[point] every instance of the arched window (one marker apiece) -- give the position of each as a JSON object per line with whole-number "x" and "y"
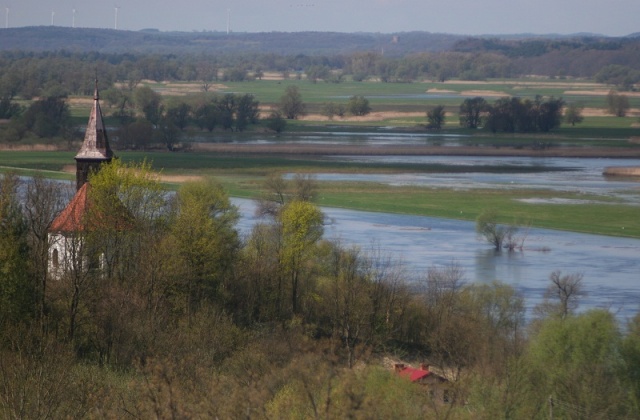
{"x": 54, "y": 259}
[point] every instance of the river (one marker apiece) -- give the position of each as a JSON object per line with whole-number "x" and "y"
{"x": 610, "y": 266}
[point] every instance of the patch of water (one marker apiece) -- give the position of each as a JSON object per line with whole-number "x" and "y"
{"x": 610, "y": 266}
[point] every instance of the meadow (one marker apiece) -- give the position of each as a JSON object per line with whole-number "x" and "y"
{"x": 395, "y": 105}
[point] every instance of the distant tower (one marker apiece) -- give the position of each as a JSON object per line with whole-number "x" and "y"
{"x": 6, "y": 18}
{"x": 53, "y": 15}
{"x": 73, "y": 20}
{"x": 95, "y": 149}
{"x": 228, "y": 21}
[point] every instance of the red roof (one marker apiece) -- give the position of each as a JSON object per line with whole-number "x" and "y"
{"x": 413, "y": 374}
{"x": 73, "y": 217}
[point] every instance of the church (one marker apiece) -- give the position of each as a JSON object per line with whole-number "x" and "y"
{"x": 66, "y": 233}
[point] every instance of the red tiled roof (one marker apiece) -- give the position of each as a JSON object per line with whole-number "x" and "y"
{"x": 76, "y": 217}
{"x": 73, "y": 217}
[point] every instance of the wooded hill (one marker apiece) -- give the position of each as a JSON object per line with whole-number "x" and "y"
{"x": 48, "y": 38}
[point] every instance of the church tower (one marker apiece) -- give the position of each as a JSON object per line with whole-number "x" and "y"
{"x": 95, "y": 149}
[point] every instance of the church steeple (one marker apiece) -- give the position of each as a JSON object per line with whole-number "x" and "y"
{"x": 95, "y": 149}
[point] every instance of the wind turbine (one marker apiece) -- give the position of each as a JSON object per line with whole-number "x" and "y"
{"x": 228, "y": 21}
{"x": 115, "y": 24}
{"x": 6, "y": 18}
{"x": 73, "y": 21}
{"x": 53, "y": 14}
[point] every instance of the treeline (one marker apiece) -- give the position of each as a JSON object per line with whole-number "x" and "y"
{"x": 28, "y": 74}
{"x": 170, "y": 311}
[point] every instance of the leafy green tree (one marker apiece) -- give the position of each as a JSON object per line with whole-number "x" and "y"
{"x": 571, "y": 361}
{"x": 471, "y": 111}
{"x": 436, "y": 117}
{"x": 291, "y": 103}
{"x": 205, "y": 243}
{"x": 573, "y": 114}
{"x": 302, "y": 228}
{"x": 358, "y": 105}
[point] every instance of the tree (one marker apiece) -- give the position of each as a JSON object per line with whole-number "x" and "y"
{"x": 573, "y": 114}
{"x": 149, "y": 103}
{"x": 471, "y": 111}
{"x": 276, "y": 122}
{"x": 204, "y": 241}
{"x": 17, "y": 292}
{"x": 302, "y": 228}
{"x": 358, "y": 105}
{"x": 291, "y": 103}
{"x": 44, "y": 199}
{"x": 488, "y": 227}
{"x": 179, "y": 113}
{"x": 247, "y": 110}
{"x": 48, "y": 117}
{"x": 617, "y": 104}
{"x": 435, "y": 117}
{"x": 331, "y": 109}
{"x": 562, "y": 296}
{"x": 571, "y": 361}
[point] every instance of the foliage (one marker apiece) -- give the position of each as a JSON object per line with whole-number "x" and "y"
{"x": 573, "y": 114}
{"x": 16, "y": 290}
{"x": 358, "y": 105}
{"x": 617, "y": 104}
{"x": 471, "y": 112}
{"x": 517, "y": 115}
{"x": 276, "y": 122}
{"x": 435, "y": 117}
{"x": 572, "y": 360}
{"x": 498, "y": 235}
{"x": 291, "y": 104}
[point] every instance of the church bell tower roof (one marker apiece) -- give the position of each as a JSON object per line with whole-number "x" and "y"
{"x": 96, "y": 143}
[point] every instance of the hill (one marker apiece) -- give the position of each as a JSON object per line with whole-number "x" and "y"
{"x": 53, "y": 38}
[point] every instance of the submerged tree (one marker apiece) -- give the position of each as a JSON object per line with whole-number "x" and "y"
{"x": 498, "y": 235}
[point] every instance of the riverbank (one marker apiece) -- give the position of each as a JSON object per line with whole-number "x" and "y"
{"x": 411, "y": 150}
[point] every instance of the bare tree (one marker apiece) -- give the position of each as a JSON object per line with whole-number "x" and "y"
{"x": 562, "y": 295}
{"x": 43, "y": 200}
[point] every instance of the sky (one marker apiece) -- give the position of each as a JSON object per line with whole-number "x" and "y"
{"x": 464, "y": 17}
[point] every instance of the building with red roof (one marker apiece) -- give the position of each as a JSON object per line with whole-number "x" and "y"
{"x": 76, "y": 219}
{"x": 436, "y": 384}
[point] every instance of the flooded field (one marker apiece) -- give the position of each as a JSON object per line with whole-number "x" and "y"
{"x": 610, "y": 266}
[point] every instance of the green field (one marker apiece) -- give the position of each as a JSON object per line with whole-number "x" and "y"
{"x": 242, "y": 176}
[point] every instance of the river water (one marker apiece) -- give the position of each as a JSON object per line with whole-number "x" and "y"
{"x": 610, "y": 266}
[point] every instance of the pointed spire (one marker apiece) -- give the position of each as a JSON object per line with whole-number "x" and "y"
{"x": 95, "y": 147}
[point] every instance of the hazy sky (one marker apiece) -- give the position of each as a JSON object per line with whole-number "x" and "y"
{"x": 473, "y": 17}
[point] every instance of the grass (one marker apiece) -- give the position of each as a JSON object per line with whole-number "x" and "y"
{"x": 243, "y": 175}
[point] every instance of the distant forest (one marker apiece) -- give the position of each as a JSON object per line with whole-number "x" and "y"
{"x": 54, "y": 61}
